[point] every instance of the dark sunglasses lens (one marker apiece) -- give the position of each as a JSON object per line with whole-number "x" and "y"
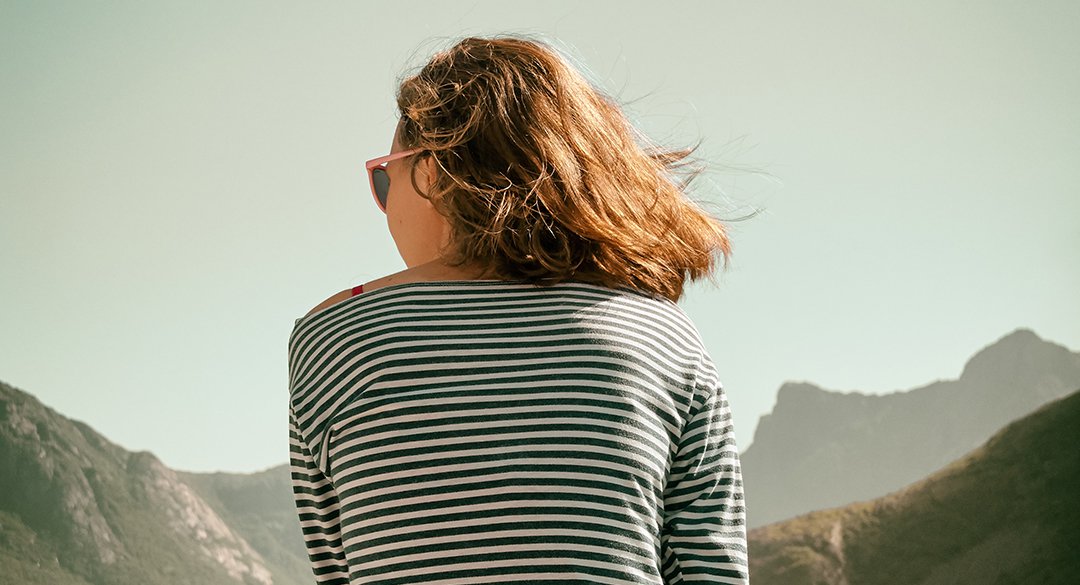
{"x": 382, "y": 185}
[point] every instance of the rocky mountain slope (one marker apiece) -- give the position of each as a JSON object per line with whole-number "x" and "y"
{"x": 78, "y": 509}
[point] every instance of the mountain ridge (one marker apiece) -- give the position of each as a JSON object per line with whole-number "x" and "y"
{"x": 820, "y": 449}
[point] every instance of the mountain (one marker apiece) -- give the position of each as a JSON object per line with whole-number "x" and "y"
{"x": 260, "y": 508}
{"x": 76, "y": 509}
{"x": 1005, "y": 513}
{"x": 819, "y": 449}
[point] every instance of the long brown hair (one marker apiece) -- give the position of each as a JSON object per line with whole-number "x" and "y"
{"x": 542, "y": 177}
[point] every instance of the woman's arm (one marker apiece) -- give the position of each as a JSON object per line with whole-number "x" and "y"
{"x": 704, "y": 536}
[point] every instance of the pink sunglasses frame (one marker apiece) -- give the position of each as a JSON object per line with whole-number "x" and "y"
{"x": 381, "y": 162}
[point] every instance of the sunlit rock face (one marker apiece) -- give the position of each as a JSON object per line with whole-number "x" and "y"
{"x": 194, "y": 521}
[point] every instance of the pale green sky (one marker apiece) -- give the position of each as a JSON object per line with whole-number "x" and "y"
{"x": 179, "y": 181}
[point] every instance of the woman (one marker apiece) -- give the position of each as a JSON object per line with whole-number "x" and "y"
{"x": 526, "y": 402}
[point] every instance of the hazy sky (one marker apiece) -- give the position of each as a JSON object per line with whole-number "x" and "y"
{"x": 179, "y": 181}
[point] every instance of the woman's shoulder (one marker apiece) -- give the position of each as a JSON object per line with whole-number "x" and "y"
{"x": 423, "y": 273}
{"x": 331, "y": 300}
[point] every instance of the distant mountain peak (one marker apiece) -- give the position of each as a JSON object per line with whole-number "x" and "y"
{"x": 793, "y": 389}
{"x": 1018, "y": 352}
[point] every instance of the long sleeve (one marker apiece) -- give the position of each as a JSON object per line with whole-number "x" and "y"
{"x": 704, "y": 535}
{"x": 318, "y": 506}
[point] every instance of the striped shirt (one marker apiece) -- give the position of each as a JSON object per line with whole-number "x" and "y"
{"x": 487, "y": 431}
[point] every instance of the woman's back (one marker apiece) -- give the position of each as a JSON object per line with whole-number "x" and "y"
{"x": 493, "y": 431}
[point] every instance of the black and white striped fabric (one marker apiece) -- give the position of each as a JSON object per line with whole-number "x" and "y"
{"x": 485, "y": 431}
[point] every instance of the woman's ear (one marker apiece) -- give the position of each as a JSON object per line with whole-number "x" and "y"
{"x": 429, "y": 171}
{"x": 424, "y": 172}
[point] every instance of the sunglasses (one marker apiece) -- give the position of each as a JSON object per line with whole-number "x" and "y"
{"x": 380, "y": 181}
